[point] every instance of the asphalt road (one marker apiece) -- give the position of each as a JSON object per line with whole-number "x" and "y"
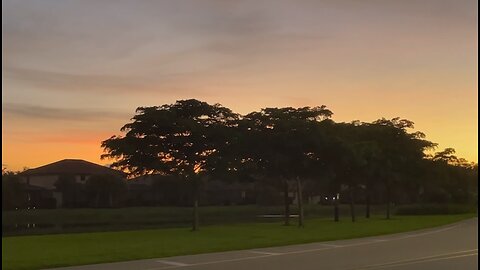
{"x": 453, "y": 246}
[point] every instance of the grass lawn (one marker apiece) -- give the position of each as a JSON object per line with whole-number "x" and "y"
{"x": 44, "y": 251}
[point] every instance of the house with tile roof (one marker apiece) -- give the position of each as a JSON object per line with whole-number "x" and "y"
{"x": 42, "y": 179}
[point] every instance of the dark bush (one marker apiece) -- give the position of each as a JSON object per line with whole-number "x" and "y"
{"x": 48, "y": 203}
{"x": 435, "y": 209}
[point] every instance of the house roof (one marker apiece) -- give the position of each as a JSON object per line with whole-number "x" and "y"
{"x": 72, "y": 166}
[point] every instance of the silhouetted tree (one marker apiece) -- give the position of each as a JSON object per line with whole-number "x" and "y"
{"x": 281, "y": 146}
{"x": 69, "y": 188}
{"x": 13, "y": 191}
{"x": 107, "y": 190}
{"x": 449, "y": 178}
{"x": 285, "y": 147}
{"x": 174, "y": 139}
{"x": 350, "y": 161}
{"x": 399, "y": 150}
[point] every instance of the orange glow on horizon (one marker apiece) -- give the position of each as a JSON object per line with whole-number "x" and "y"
{"x": 23, "y": 151}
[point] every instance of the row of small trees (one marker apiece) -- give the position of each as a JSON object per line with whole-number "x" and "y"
{"x": 285, "y": 147}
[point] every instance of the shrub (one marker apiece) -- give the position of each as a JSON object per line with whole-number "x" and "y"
{"x": 435, "y": 209}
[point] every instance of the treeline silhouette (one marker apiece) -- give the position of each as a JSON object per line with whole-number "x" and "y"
{"x": 291, "y": 148}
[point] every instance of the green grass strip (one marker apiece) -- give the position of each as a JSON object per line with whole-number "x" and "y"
{"x": 46, "y": 251}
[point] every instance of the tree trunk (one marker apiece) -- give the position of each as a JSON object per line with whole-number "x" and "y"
{"x": 300, "y": 203}
{"x": 287, "y": 204}
{"x": 336, "y": 210}
{"x": 195, "y": 225}
{"x": 367, "y": 207}
{"x": 352, "y": 204}
{"x": 110, "y": 199}
{"x": 64, "y": 195}
{"x": 388, "y": 209}
{"x": 388, "y": 200}
{"x": 196, "y": 222}
{"x": 72, "y": 195}
{"x": 97, "y": 200}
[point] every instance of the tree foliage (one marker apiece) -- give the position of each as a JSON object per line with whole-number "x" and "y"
{"x": 384, "y": 160}
{"x": 171, "y": 139}
{"x": 105, "y": 190}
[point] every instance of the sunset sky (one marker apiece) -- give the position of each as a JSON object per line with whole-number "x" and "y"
{"x": 75, "y": 70}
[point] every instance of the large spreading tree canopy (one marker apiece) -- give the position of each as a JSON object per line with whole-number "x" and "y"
{"x": 283, "y": 146}
{"x": 182, "y": 139}
{"x": 176, "y": 139}
{"x": 280, "y": 142}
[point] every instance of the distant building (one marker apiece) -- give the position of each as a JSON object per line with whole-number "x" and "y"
{"x": 41, "y": 181}
{"x": 46, "y": 176}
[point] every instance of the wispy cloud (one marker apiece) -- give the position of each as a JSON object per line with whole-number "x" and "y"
{"x": 71, "y": 82}
{"x": 33, "y": 112}
{"x": 143, "y": 46}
